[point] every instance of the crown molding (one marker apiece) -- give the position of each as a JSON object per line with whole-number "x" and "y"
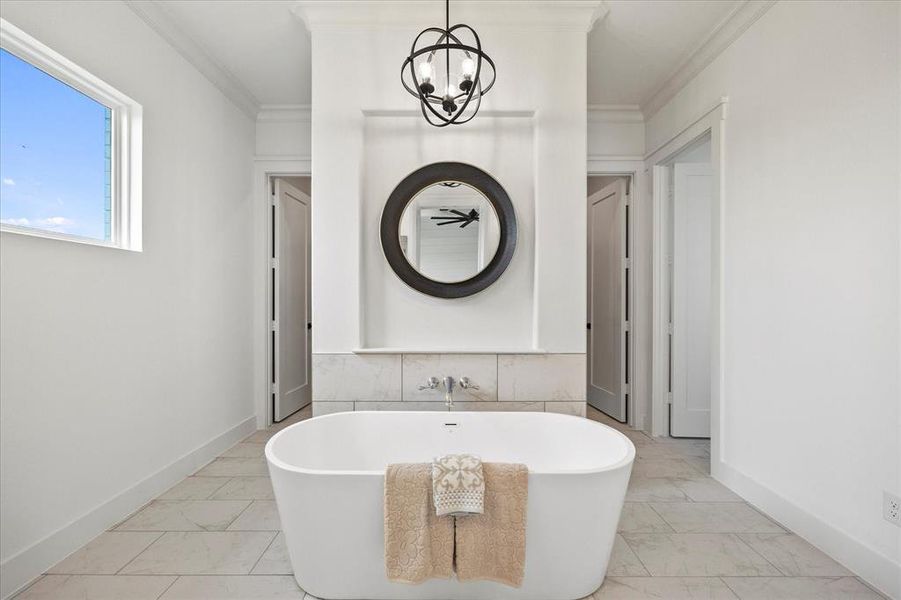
{"x": 161, "y": 21}
{"x": 284, "y": 113}
{"x": 730, "y": 29}
{"x": 574, "y": 15}
{"x": 614, "y": 113}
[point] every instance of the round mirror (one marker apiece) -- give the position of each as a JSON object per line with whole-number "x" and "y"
{"x": 449, "y": 230}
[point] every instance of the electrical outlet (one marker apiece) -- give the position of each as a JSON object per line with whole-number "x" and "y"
{"x": 891, "y": 508}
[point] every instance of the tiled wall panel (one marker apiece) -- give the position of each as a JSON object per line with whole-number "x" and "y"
{"x": 506, "y": 382}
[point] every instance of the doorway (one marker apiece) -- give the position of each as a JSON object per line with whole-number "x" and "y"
{"x": 608, "y": 331}
{"x": 689, "y": 209}
{"x": 289, "y": 307}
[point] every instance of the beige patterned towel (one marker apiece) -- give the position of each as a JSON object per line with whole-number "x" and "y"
{"x": 419, "y": 544}
{"x": 457, "y": 485}
{"x": 492, "y": 545}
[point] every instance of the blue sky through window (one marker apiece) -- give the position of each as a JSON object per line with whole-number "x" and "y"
{"x": 54, "y": 154}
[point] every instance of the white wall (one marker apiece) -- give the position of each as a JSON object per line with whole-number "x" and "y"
{"x": 810, "y": 404}
{"x": 615, "y": 132}
{"x": 283, "y": 133}
{"x": 529, "y": 81}
{"x": 115, "y": 364}
{"x": 500, "y": 317}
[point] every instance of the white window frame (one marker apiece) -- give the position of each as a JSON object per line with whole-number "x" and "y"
{"x": 126, "y": 140}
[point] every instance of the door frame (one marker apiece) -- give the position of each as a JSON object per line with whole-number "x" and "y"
{"x": 631, "y": 167}
{"x": 263, "y": 172}
{"x": 712, "y": 123}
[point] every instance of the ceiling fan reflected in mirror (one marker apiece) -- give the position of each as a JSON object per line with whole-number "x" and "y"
{"x": 449, "y": 76}
{"x": 460, "y": 217}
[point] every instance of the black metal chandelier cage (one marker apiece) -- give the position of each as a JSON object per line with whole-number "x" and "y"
{"x": 451, "y": 97}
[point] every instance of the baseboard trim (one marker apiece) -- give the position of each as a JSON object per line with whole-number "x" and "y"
{"x": 21, "y": 569}
{"x": 867, "y": 563}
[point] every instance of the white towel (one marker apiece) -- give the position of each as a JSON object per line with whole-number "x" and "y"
{"x": 458, "y": 485}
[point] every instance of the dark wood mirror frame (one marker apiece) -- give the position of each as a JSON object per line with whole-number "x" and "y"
{"x": 417, "y": 181}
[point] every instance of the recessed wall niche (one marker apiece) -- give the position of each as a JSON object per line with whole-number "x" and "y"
{"x": 396, "y": 316}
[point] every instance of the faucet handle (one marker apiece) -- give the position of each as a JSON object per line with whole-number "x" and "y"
{"x": 430, "y": 384}
{"x": 467, "y": 384}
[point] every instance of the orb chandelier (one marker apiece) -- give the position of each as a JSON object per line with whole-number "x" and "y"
{"x": 449, "y": 76}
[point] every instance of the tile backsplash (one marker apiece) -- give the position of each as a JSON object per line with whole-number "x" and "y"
{"x": 506, "y": 382}
{"x": 351, "y": 377}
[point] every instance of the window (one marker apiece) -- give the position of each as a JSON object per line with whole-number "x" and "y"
{"x": 70, "y": 148}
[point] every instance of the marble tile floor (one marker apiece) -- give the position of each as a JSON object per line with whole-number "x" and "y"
{"x": 215, "y": 536}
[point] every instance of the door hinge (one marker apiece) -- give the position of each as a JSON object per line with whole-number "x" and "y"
{"x": 669, "y": 259}
{"x": 669, "y": 328}
{"x": 628, "y": 200}
{"x": 274, "y": 325}
{"x": 627, "y": 263}
{"x": 669, "y": 397}
{"x": 273, "y": 388}
{"x": 627, "y": 388}
{"x": 627, "y": 326}
{"x": 273, "y": 262}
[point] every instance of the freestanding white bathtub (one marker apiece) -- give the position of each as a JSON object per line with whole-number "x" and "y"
{"x": 328, "y": 475}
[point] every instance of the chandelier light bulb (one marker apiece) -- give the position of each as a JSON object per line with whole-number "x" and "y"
{"x": 425, "y": 71}
{"x": 449, "y": 104}
{"x": 425, "y": 74}
{"x": 468, "y": 68}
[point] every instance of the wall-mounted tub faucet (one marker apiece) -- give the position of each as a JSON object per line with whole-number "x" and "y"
{"x": 448, "y": 383}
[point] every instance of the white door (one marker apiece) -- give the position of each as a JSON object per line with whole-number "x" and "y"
{"x": 691, "y": 373}
{"x": 291, "y": 293}
{"x": 607, "y": 289}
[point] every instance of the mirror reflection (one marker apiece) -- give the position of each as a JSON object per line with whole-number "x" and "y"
{"x": 449, "y": 232}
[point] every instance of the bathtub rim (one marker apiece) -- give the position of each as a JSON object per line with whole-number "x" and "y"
{"x": 273, "y": 460}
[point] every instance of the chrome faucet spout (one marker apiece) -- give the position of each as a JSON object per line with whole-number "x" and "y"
{"x": 449, "y": 392}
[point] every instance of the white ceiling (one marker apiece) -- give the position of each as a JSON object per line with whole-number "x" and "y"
{"x": 260, "y": 46}
{"x": 260, "y": 43}
{"x": 640, "y": 44}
